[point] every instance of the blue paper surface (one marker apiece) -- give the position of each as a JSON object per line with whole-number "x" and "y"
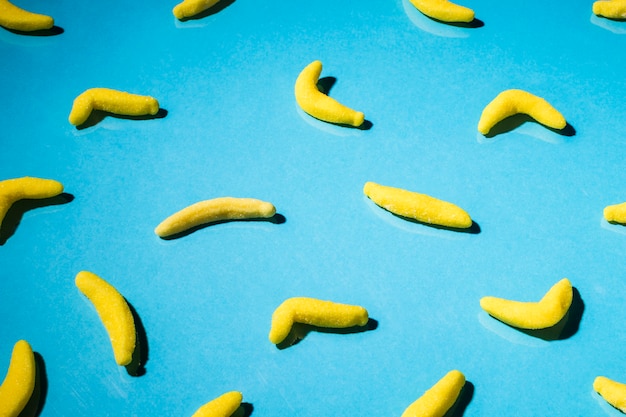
{"x": 232, "y": 128}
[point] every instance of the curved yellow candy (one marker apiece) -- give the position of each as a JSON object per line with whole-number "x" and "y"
{"x": 114, "y": 313}
{"x": 512, "y": 102}
{"x": 436, "y": 401}
{"x": 217, "y": 209}
{"x": 13, "y": 17}
{"x": 314, "y": 312}
{"x": 111, "y": 101}
{"x": 16, "y": 189}
{"x": 612, "y": 391}
{"x": 444, "y": 10}
{"x": 613, "y": 9}
{"x": 532, "y": 315}
{"x": 421, "y": 207}
{"x": 319, "y": 105}
{"x": 18, "y": 385}
{"x": 615, "y": 213}
{"x": 189, "y": 8}
{"x": 223, "y": 406}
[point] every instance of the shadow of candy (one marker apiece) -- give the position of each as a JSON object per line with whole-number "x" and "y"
{"x": 14, "y": 215}
{"x": 511, "y": 123}
{"x": 140, "y": 356}
{"x": 275, "y": 219}
{"x": 567, "y": 327}
{"x": 97, "y": 116}
{"x": 218, "y": 7}
{"x": 461, "y": 403}
{"x": 34, "y": 407}
{"x": 53, "y": 31}
{"x": 300, "y": 330}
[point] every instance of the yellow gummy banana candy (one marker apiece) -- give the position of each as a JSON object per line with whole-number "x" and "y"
{"x": 436, "y": 401}
{"x": 111, "y": 101}
{"x": 114, "y": 312}
{"x": 532, "y": 315}
{"x": 613, "y": 9}
{"x": 223, "y": 406}
{"x": 13, "y": 17}
{"x": 612, "y": 391}
{"x": 615, "y": 213}
{"x": 189, "y": 8}
{"x": 19, "y": 383}
{"x": 314, "y": 312}
{"x": 15, "y": 189}
{"x": 444, "y": 10}
{"x": 420, "y": 207}
{"x": 511, "y": 102}
{"x": 319, "y": 105}
{"x": 217, "y": 209}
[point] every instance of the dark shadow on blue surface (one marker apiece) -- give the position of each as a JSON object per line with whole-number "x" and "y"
{"x": 137, "y": 366}
{"x": 474, "y": 229}
{"x": 324, "y": 85}
{"x": 246, "y": 410}
{"x": 474, "y": 24}
{"x": 14, "y": 215}
{"x": 276, "y": 219}
{"x": 53, "y": 31}
{"x": 567, "y": 327}
{"x": 299, "y": 331}
{"x": 34, "y": 407}
{"x": 97, "y": 116}
{"x": 465, "y": 397}
{"x": 218, "y": 7}
{"x": 513, "y": 122}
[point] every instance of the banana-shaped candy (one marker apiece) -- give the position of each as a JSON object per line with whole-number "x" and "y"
{"x": 532, "y": 315}
{"x": 612, "y": 391}
{"x": 111, "y": 101}
{"x": 314, "y": 312}
{"x": 210, "y": 211}
{"x": 113, "y": 311}
{"x": 420, "y": 207}
{"x": 189, "y": 8}
{"x": 615, "y": 213}
{"x": 319, "y": 105}
{"x": 223, "y": 406}
{"x": 511, "y": 102}
{"x": 19, "y": 383}
{"x": 16, "y": 18}
{"x": 444, "y": 10}
{"x": 437, "y": 400}
{"x": 16, "y": 189}
{"x": 613, "y": 9}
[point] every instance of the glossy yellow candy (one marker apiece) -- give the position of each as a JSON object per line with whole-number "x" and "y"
{"x": 444, "y": 10}
{"x": 111, "y": 101}
{"x": 13, "y": 17}
{"x": 217, "y": 209}
{"x": 18, "y": 385}
{"x": 223, "y": 406}
{"x": 613, "y": 9}
{"x": 512, "y": 102}
{"x": 314, "y": 312}
{"x": 612, "y": 391}
{"x": 532, "y": 315}
{"x": 16, "y": 189}
{"x": 420, "y": 207}
{"x": 319, "y": 105}
{"x": 189, "y": 8}
{"x": 113, "y": 311}
{"x": 615, "y": 213}
{"x": 436, "y": 401}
